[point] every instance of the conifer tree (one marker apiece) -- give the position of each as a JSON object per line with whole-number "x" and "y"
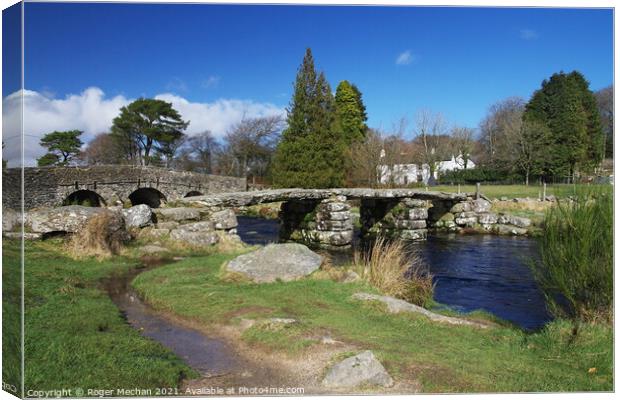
{"x": 351, "y": 112}
{"x": 311, "y": 151}
{"x": 567, "y": 107}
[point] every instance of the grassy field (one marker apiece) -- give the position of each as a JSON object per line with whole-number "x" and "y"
{"x": 513, "y": 191}
{"x": 75, "y": 335}
{"x": 444, "y": 358}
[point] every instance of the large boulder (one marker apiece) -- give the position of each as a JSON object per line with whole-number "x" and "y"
{"x": 361, "y": 369}
{"x": 178, "y": 214}
{"x": 197, "y": 234}
{"x": 11, "y": 220}
{"x": 287, "y": 262}
{"x": 138, "y": 216}
{"x": 225, "y": 219}
{"x": 68, "y": 219}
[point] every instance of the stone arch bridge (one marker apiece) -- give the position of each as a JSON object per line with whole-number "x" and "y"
{"x": 108, "y": 185}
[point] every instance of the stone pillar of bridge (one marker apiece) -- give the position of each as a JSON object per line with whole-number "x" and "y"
{"x": 394, "y": 218}
{"x": 318, "y": 224}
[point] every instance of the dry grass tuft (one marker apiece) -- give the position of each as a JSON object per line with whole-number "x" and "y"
{"x": 103, "y": 236}
{"x": 396, "y": 271}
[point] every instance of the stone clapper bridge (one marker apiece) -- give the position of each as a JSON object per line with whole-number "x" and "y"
{"x": 322, "y": 217}
{"x": 315, "y": 217}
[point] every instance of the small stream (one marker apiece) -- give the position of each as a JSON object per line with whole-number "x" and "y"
{"x": 209, "y": 356}
{"x": 472, "y": 272}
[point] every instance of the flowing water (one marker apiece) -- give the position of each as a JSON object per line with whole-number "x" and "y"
{"x": 472, "y": 272}
{"x": 209, "y": 356}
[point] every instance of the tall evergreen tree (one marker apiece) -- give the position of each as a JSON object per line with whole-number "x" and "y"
{"x": 351, "y": 112}
{"x": 311, "y": 152}
{"x": 567, "y": 107}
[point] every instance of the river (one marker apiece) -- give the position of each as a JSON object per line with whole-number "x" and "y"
{"x": 472, "y": 272}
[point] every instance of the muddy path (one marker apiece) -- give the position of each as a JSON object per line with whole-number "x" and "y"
{"x": 226, "y": 364}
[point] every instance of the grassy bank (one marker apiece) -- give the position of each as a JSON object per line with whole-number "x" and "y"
{"x": 75, "y": 335}
{"x": 443, "y": 358}
{"x": 514, "y": 191}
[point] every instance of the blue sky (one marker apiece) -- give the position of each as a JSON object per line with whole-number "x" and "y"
{"x": 457, "y": 61}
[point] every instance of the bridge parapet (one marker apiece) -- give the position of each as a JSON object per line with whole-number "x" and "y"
{"x": 51, "y": 186}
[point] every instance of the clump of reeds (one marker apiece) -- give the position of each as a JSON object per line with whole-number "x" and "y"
{"x": 576, "y": 267}
{"x": 102, "y": 236}
{"x": 395, "y": 270}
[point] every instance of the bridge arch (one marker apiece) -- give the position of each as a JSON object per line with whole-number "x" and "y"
{"x": 193, "y": 193}
{"x": 84, "y": 198}
{"x": 149, "y": 196}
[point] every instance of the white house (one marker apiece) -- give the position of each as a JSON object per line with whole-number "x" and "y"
{"x": 404, "y": 174}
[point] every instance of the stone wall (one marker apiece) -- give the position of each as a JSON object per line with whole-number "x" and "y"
{"x": 326, "y": 223}
{"x": 50, "y": 186}
{"x": 404, "y": 218}
{"x": 475, "y": 215}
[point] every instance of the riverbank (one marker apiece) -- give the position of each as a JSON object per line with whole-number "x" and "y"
{"x": 415, "y": 351}
{"x": 65, "y": 297}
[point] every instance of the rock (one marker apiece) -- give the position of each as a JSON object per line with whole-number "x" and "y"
{"x": 340, "y": 216}
{"x": 418, "y": 213}
{"x": 328, "y": 225}
{"x": 361, "y": 369}
{"x": 178, "y": 214}
{"x": 447, "y": 217}
{"x": 225, "y": 219}
{"x": 11, "y": 220}
{"x": 412, "y": 234}
{"x": 520, "y": 222}
{"x": 503, "y": 198}
{"x": 196, "y": 234}
{"x": 481, "y": 206}
{"x": 409, "y": 224}
{"x": 467, "y": 221}
{"x": 502, "y": 229}
{"x": 25, "y": 235}
{"x": 138, "y": 216}
{"x": 154, "y": 232}
{"x": 395, "y": 306}
{"x": 350, "y": 276}
{"x": 167, "y": 225}
{"x": 550, "y": 198}
{"x": 413, "y": 203}
{"x": 487, "y": 218}
{"x": 331, "y": 206}
{"x": 61, "y": 219}
{"x": 461, "y": 207}
{"x": 287, "y": 262}
{"x": 152, "y": 249}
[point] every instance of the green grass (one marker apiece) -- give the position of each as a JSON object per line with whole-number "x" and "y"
{"x": 443, "y": 358}
{"x": 513, "y": 191}
{"x": 75, "y": 335}
{"x": 11, "y": 316}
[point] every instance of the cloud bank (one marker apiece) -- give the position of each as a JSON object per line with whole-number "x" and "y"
{"x": 91, "y": 112}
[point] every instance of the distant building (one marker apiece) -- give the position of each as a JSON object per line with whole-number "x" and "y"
{"x": 405, "y": 174}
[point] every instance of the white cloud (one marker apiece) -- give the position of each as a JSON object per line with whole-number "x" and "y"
{"x": 211, "y": 82}
{"x": 405, "y": 58}
{"x": 528, "y": 34}
{"x": 91, "y": 112}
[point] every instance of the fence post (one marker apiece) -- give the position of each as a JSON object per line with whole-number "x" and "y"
{"x": 544, "y": 190}
{"x": 477, "y": 190}
{"x": 459, "y": 188}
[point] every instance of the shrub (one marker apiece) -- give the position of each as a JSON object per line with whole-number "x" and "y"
{"x": 102, "y": 236}
{"x": 479, "y": 174}
{"x": 395, "y": 271}
{"x": 576, "y": 268}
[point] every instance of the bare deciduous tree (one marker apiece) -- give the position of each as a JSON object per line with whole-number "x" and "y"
{"x": 499, "y": 131}
{"x": 463, "y": 143}
{"x": 102, "y": 149}
{"x": 431, "y": 132}
{"x": 250, "y": 144}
